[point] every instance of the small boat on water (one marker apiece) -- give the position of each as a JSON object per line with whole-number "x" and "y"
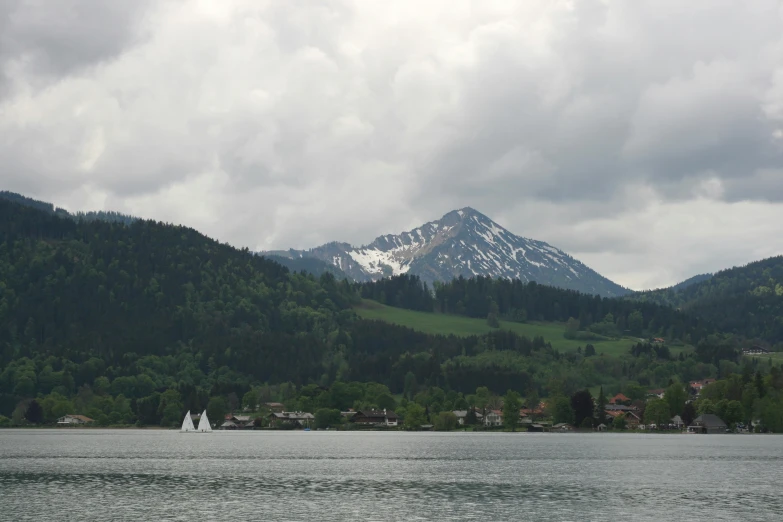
{"x": 203, "y": 424}
{"x": 187, "y": 423}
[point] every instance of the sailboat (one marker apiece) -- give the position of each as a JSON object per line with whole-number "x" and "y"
{"x": 187, "y": 423}
{"x": 203, "y": 424}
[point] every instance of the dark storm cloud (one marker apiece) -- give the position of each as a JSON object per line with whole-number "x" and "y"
{"x": 52, "y": 39}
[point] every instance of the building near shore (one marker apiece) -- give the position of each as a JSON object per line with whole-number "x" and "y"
{"x": 73, "y": 420}
{"x": 707, "y": 424}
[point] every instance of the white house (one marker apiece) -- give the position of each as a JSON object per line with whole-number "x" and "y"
{"x": 493, "y": 418}
{"x": 72, "y": 420}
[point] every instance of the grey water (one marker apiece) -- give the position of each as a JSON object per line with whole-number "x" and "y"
{"x": 166, "y": 475}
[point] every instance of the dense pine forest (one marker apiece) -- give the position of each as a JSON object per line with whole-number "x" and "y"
{"x": 138, "y": 321}
{"x": 513, "y": 300}
{"x": 746, "y": 301}
{"x": 101, "y": 215}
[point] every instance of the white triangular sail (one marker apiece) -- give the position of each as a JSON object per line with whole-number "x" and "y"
{"x": 203, "y": 423}
{"x": 187, "y": 423}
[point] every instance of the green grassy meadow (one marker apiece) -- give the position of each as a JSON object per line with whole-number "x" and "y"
{"x": 777, "y": 357}
{"x": 443, "y": 324}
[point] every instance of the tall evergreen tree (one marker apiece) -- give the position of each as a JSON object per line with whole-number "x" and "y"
{"x": 600, "y": 406}
{"x": 582, "y": 404}
{"x": 34, "y": 412}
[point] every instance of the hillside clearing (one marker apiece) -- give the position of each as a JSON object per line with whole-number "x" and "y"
{"x": 443, "y": 324}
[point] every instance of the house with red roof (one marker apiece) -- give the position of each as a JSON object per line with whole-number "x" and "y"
{"x": 619, "y": 399}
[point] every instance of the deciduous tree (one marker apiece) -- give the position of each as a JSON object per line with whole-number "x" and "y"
{"x": 561, "y": 410}
{"x": 217, "y": 407}
{"x": 675, "y": 396}
{"x": 512, "y": 402}
{"x": 415, "y": 417}
{"x": 327, "y": 417}
{"x": 657, "y": 412}
{"x": 445, "y": 421}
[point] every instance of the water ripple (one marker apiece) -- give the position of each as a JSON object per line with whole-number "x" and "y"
{"x": 138, "y": 475}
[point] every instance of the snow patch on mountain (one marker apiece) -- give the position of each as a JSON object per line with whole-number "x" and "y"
{"x": 375, "y": 261}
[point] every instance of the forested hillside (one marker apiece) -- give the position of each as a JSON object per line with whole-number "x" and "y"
{"x": 139, "y": 321}
{"x": 746, "y": 301}
{"x": 514, "y": 300}
{"x": 691, "y": 281}
{"x": 147, "y": 319}
{"x": 88, "y": 299}
{"x": 79, "y": 216}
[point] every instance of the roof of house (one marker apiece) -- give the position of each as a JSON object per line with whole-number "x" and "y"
{"x": 562, "y": 425}
{"x": 619, "y": 398}
{"x": 380, "y": 414}
{"x": 708, "y": 420}
{"x": 299, "y": 415}
{"x": 460, "y": 413}
{"x": 292, "y": 415}
{"x": 628, "y": 414}
{"x": 82, "y": 418}
{"x": 617, "y": 407}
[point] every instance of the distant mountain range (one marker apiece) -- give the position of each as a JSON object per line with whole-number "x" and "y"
{"x": 307, "y": 264}
{"x": 463, "y": 243}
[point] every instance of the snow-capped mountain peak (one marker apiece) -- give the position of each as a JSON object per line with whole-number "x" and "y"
{"x": 464, "y": 243}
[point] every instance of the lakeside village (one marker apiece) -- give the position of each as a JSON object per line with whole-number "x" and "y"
{"x": 620, "y": 413}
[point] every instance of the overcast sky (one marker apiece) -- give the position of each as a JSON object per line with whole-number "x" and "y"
{"x": 644, "y": 138}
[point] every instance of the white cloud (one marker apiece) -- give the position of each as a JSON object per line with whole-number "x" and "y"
{"x": 593, "y": 125}
{"x": 670, "y": 241}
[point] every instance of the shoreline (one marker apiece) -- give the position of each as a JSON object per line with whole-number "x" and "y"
{"x": 521, "y": 432}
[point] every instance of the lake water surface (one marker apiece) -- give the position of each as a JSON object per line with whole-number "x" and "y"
{"x": 165, "y": 475}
